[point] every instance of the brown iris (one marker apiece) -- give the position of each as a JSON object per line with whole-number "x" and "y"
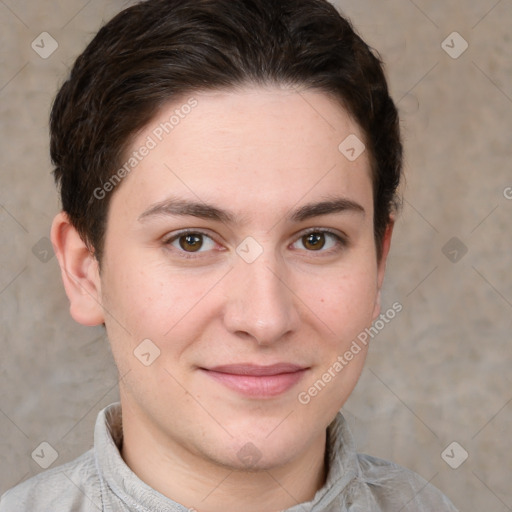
{"x": 314, "y": 241}
{"x": 191, "y": 242}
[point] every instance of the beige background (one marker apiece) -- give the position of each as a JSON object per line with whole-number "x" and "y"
{"x": 439, "y": 372}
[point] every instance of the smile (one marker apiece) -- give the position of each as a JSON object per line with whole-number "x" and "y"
{"x": 257, "y": 381}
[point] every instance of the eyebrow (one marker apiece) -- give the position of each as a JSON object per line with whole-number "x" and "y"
{"x": 180, "y": 207}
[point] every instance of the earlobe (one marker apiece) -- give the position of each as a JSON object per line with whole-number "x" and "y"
{"x": 79, "y": 270}
{"x": 381, "y": 269}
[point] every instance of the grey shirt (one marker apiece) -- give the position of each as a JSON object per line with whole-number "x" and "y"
{"x": 99, "y": 480}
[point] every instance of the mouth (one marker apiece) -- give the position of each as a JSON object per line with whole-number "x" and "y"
{"x": 257, "y": 381}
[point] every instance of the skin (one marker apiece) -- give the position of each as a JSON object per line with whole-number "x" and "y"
{"x": 260, "y": 153}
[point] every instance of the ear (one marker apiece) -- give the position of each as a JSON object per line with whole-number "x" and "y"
{"x": 381, "y": 268}
{"x": 80, "y": 272}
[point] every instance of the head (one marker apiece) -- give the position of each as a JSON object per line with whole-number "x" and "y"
{"x": 227, "y": 118}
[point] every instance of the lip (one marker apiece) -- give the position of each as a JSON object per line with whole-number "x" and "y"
{"x": 257, "y": 381}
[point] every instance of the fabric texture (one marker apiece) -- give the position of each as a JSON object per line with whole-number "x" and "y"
{"x": 99, "y": 480}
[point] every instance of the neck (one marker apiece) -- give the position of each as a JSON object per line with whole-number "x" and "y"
{"x": 199, "y": 483}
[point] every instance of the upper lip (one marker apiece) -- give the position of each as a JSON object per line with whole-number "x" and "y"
{"x": 256, "y": 370}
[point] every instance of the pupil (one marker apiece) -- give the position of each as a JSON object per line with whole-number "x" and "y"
{"x": 315, "y": 240}
{"x": 191, "y": 242}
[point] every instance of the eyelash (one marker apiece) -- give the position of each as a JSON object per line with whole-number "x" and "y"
{"x": 341, "y": 241}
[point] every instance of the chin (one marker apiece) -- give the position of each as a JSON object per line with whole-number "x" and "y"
{"x": 263, "y": 445}
{"x": 257, "y": 456}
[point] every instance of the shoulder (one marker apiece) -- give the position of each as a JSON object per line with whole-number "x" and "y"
{"x": 73, "y": 486}
{"x": 396, "y": 488}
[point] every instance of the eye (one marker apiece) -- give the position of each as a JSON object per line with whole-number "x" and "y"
{"x": 318, "y": 240}
{"x": 187, "y": 243}
{"x": 191, "y": 242}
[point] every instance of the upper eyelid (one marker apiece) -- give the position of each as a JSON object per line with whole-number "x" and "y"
{"x": 175, "y": 235}
{"x": 334, "y": 232}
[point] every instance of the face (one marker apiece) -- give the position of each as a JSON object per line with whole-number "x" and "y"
{"x": 242, "y": 247}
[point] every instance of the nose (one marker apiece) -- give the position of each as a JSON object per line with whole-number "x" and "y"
{"x": 260, "y": 304}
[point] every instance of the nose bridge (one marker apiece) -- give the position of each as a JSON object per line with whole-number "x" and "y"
{"x": 259, "y": 302}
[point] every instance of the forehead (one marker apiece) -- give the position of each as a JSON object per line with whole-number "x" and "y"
{"x": 248, "y": 147}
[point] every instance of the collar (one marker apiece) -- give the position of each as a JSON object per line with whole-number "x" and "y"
{"x": 119, "y": 483}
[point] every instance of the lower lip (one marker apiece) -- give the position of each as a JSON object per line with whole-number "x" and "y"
{"x": 258, "y": 386}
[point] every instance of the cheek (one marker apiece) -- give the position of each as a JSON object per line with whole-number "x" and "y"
{"x": 346, "y": 302}
{"x": 152, "y": 301}
{"x": 345, "y": 305}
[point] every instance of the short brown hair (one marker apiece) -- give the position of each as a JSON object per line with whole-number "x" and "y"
{"x": 158, "y": 51}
